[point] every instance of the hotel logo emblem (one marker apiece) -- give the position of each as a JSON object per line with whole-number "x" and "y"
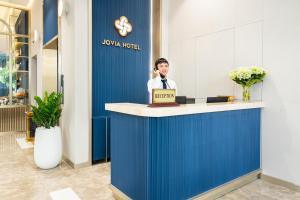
{"x": 123, "y": 26}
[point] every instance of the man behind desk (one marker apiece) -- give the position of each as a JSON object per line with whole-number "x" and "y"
{"x": 160, "y": 81}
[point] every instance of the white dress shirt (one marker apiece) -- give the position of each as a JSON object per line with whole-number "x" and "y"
{"x": 156, "y": 83}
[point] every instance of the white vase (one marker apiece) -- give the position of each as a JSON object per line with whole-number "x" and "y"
{"x": 47, "y": 147}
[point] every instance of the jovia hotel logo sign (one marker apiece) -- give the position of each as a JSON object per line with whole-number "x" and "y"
{"x": 123, "y": 27}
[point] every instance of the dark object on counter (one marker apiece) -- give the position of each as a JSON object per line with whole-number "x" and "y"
{"x": 180, "y": 99}
{"x": 216, "y": 99}
{"x": 190, "y": 100}
{"x": 184, "y": 100}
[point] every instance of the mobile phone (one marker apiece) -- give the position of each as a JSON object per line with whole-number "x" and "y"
{"x": 161, "y": 76}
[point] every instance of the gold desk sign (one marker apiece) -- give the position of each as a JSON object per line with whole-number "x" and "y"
{"x": 163, "y": 97}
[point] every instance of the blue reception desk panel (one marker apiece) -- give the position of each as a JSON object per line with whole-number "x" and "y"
{"x": 180, "y": 157}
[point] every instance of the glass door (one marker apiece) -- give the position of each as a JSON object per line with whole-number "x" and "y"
{"x": 5, "y": 64}
{"x": 14, "y": 57}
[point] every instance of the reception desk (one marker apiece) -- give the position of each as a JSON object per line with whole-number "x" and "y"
{"x": 190, "y": 151}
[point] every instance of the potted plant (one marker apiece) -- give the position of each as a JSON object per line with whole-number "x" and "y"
{"x": 246, "y": 77}
{"x": 48, "y": 142}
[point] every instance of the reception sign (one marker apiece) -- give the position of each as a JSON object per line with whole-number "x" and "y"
{"x": 160, "y": 96}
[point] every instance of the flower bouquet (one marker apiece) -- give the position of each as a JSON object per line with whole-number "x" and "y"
{"x": 246, "y": 77}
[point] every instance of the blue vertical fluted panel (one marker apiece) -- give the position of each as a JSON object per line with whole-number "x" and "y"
{"x": 99, "y": 140}
{"x": 129, "y": 144}
{"x": 50, "y": 20}
{"x": 180, "y": 157}
{"x": 194, "y": 153}
{"x": 119, "y": 74}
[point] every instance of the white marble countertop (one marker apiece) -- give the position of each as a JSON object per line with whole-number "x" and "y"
{"x": 185, "y": 109}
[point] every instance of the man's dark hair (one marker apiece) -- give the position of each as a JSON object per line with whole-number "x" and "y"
{"x": 159, "y": 61}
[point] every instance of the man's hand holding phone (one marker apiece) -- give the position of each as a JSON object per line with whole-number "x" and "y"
{"x": 156, "y": 73}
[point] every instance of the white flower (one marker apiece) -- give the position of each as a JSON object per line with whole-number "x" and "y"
{"x": 257, "y": 70}
{"x": 233, "y": 74}
{"x": 244, "y": 73}
{"x": 248, "y": 76}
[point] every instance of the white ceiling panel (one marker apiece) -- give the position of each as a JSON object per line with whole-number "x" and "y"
{"x": 18, "y": 2}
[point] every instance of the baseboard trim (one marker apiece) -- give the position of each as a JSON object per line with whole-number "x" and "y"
{"x": 118, "y": 194}
{"x": 211, "y": 194}
{"x": 229, "y": 186}
{"x": 280, "y": 182}
{"x": 76, "y": 166}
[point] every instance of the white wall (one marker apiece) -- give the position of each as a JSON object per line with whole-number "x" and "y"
{"x": 280, "y": 127}
{"x": 205, "y": 39}
{"x": 75, "y": 67}
{"x": 49, "y": 70}
{"x": 36, "y": 22}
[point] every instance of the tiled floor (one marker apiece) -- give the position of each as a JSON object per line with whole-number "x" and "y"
{"x": 20, "y": 179}
{"x": 262, "y": 190}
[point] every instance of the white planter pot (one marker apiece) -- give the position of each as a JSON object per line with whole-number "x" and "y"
{"x": 47, "y": 147}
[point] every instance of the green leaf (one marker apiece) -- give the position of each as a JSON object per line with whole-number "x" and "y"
{"x": 48, "y": 110}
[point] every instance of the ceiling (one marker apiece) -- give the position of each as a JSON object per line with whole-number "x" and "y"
{"x": 18, "y": 2}
{"x": 9, "y": 15}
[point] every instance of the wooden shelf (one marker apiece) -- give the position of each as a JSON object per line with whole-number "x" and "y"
{"x": 21, "y": 57}
{"x": 22, "y": 71}
{"x": 21, "y": 43}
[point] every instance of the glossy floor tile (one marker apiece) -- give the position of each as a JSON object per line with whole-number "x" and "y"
{"x": 64, "y": 194}
{"x": 23, "y": 144}
{"x": 262, "y": 190}
{"x": 20, "y": 179}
